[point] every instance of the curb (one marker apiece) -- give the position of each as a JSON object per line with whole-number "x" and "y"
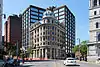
{"x": 88, "y": 62}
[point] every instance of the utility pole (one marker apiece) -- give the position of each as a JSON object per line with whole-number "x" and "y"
{"x": 79, "y": 48}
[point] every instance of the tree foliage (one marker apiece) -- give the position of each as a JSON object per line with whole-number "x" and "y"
{"x": 83, "y": 48}
{"x": 29, "y": 51}
{"x": 10, "y": 49}
{"x": 75, "y": 49}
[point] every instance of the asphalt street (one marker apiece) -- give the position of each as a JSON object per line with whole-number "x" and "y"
{"x": 57, "y": 63}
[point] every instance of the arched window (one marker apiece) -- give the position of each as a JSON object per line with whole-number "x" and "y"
{"x": 52, "y": 21}
{"x": 95, "y": 3}
{"x": 44, "y": 20}
{"x": 99, "y": 37}
{"x": 97, "y": 25}
{"x": 95, "y": 12}
{"x": 48, "y": 20}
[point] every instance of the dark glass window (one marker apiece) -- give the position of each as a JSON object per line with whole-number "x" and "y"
{"x": 52, "y": 27}
{"x": 0, "y": 5}
{"x": 48, "y": 43}
{"x": 34, "y": 13}
{"x": 34, "y": 9}
{"x": 99, "y": 37}
{"x": 95, "y": 3}
{"x": 52, "y": 38}
{"x": 97, "y": 25}
{"x": 48, "y": 27}
{"x": 34, "y": 17}
{"x": 48, "y": 32}
{"x": 95, "y": 12}
{"x": 48, "y": 38}
{"x": 99, "y": 2}
{"x": 40, "y": 14}
{"x": 53, "y": 33}
{"x": 52, "y": 21}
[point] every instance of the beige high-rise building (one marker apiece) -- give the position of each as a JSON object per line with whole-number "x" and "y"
{"x": 94, "y": 20}
{"x": 47, "y": 37}
{"x": 1, "y": 8}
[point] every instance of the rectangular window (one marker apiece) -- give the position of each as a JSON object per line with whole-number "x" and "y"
{"x": 33, "y": 20}
{"x": 40, "y": 18}
{"x": 34, "y": 9}
{"x": 52, "y": 38}
{"x": 48, "y": 43}
{"x": 55, "y": 11}
{"x": 40, "y": 14}
{"x": 34, "y": 13}
{"x": 48, "y": 38}
{"x": 61, "y": 17}
{"x": 56, "y": 14}
{"x": 48, "y": 32}
{"x": 53, "y": 33}
{"x": 62, "y": 9}
{"x": 62, "y": 20}
{"x": 0, "y": 5}
{"x": 52, "y": 27}
{"x": 61, "y": 13}
{"x": 34, "y": 17}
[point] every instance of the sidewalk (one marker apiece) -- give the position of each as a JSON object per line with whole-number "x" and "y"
{"x": 88, "y": 62}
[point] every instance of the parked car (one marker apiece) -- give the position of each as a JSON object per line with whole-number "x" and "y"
{"x": 70, "y": 61}
{"x": 2, "y": 63}
{"x": 12, "y": 63}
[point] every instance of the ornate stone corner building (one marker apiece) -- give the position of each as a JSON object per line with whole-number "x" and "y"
{"x": 94, "y": 20}
{"x": 48, "y": 37}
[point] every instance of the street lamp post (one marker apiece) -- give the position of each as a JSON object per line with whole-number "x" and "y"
{"x": 79, "y": 47}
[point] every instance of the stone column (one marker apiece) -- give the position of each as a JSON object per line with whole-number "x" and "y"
{"x": 36, "y": 53}
{"x": 50, "y": 53}
{"x": 39, "y": 53}
{"x": 54, "y": 53}
{"x": 45, "y": 53}
{"x": 97, "y": 2}
{"x": 42, "y": 53}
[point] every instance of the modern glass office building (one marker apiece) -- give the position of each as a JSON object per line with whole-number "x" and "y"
{"x": 31, "y": 15}
{"x": 63, "y": 14}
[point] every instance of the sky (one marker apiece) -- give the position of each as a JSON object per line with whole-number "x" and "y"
{"x": 80, "y": 8}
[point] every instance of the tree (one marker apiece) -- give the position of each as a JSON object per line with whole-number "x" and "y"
{"x": 83, "y": 48}
{"x": 75, "y": 49}
{"x": 29, "y": 51}
{"x": 10, "y": 49}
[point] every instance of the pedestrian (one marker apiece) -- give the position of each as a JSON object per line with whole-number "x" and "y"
{"x": 23, "y": 60}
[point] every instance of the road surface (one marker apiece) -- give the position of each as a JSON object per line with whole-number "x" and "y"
{"x": 57, "y": 63}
